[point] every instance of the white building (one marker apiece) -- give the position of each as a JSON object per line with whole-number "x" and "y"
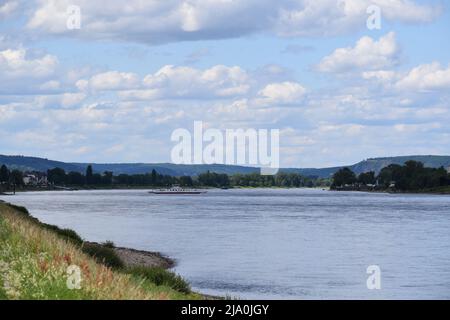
{"x": 32, "y": 179}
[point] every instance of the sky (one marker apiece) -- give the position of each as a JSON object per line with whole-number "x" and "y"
{"x": 114, "y": 89}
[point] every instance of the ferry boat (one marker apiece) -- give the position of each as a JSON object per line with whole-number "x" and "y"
{"x": 176, "y": 190}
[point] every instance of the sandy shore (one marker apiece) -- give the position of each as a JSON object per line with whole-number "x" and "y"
{"x": 133, "y": 258}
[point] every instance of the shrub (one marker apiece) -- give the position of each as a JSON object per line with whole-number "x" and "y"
{"x": 109, "y": 244}
{"x": 103, "y": 255}
{"x": 66, "y": 234}
{"x": 161, "y": 277}
{"x": 20, "y": 209}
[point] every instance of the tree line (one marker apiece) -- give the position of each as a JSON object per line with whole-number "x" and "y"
{"x": 10, "y": 177}
{"x": 412, "y": 176}
{"x": 59, "y": 177}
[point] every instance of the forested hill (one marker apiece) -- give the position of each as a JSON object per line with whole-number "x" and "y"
{"x": 25, "y": 163}
{"x": 376, "y": 164}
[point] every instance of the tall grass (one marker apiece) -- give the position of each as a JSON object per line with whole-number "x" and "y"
{"x": 103, "y": 254}
{"x": 34, "y": 262}
{"x": 161, "y": 277}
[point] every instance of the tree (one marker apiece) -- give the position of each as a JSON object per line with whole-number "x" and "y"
{"x": 4, "y": 174}
{"x": 367, "y": 178}
{"x": 17, "y": 177}
{"x": 89, "y": 175}
{"x": 413, "y": 176}
{"x": 186, "y": 181}
{"x": 154, "y": 177}
{"x": 97, "y": 179}
{"x": 107, "y": 177}
{"x": 391, "y": 173}
{"x": 56, "y": 176}
{"x": 75, "y": 178}
{"x": 344, "y": 177}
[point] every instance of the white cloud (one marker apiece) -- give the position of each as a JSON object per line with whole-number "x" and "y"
{"x": 331, "y": 17}
{"x": 72, "y": 99}
{"x": 64, "y": 100}
{"x": 380, "y": 75}
{"x": 8, "y": 7}
{"x": 284, "y": 92}
{"x": 24, "y": 71}
{"x": 420, "y": 79}
{"x": 50, "y": 85}
{"x": 15, "y": 63}
{"x": 426, "y": 77}
{"x": 367, "y": 54}
{"x": 185, "y": 82}
{"x": 111, "y": 80}
{"x": 156, "y": 21}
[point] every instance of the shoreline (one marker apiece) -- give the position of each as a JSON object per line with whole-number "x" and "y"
{"x": 105, "y": 276}
{"x": 421, "y": 192}
{"x": 134, "y": 257}
{"x": 131, "y": 257}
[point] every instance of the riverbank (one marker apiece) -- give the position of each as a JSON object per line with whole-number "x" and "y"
{"x": 433, "y": 191}
{"x": 35, "y": 260}
{"x": 138, "y": 258}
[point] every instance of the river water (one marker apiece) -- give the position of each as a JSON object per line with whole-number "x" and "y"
{"x": 273, "y": 243}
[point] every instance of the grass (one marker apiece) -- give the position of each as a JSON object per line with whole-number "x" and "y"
{"x": 34, "y": 261}
{"x": 161, "y": 277}
{"x": 67, "y": 234}
{"x": 103, "y": 254}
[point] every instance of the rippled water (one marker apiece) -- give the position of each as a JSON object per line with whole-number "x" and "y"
{"x": 260, "y": 243}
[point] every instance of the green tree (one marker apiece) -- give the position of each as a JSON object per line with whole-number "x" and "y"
{"x": 391, "y": 173}
{"x": 107, "y": 177}
{"x": 186, "y": 181}
{"x": 413, "y": 176}
{"x": 75, "y": 178}
{"x": 16, "y": 177}
{"x": 367, "y": 178}
{"x": 154, "y": 177}
{"x": 56, "y": 176}
{"x": 4, "y": 174}
{"x": 344, "y": 177}
{"x": 89, "y": 175}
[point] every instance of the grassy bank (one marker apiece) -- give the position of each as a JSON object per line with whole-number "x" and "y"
{"x": 34, "y": 261}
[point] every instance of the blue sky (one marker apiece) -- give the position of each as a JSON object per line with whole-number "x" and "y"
{"x": 114, "y": 90}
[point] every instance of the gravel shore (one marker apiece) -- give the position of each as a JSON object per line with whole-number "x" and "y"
{"x": 133, "y": 257}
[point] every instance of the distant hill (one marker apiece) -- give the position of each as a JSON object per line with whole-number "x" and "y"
{"x": 375, "y": 164}
{"x": 40, "y": 164}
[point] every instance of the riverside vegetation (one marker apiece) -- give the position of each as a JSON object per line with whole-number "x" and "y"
{"x": 34, "y": 258}
{"x": 90, "y": 180}
{"x": 413, "y": 176}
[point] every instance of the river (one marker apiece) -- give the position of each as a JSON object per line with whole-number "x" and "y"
{"x": 273, "y": 243}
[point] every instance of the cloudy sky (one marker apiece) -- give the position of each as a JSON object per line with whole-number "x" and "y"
{"x": 115, "y": 89}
